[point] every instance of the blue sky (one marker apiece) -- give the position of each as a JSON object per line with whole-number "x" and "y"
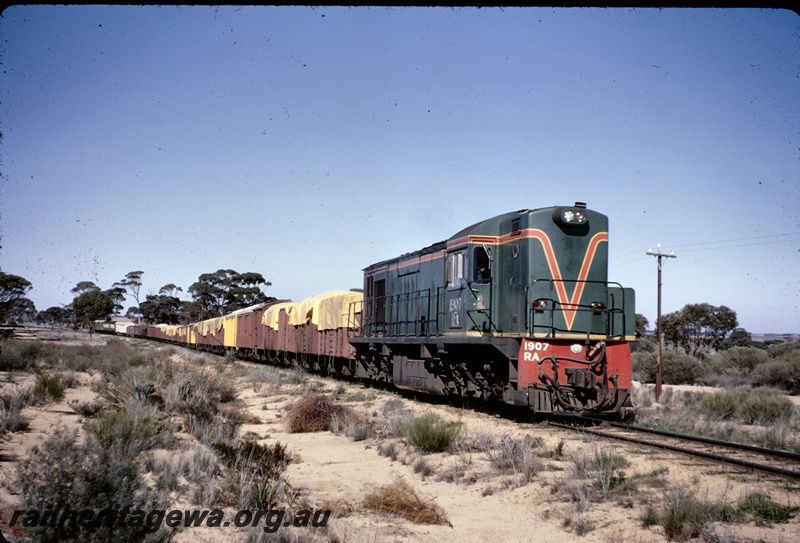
{"x": 307, "y": 143}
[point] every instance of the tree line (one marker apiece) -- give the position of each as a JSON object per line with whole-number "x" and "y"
{"x": 212, "y": 295}
{"x": 695, "y": 330}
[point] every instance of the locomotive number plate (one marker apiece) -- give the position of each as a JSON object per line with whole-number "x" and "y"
{"x": 532, "y": 351}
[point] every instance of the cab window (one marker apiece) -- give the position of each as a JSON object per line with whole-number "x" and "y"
{"x": 481, "y": 265}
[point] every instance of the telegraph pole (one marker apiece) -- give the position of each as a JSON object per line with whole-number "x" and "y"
{"x": 659, "y": 255}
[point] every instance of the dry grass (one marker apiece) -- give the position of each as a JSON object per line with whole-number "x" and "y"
{"x": 315, "y": 413}
{"x": 398, "y": 498}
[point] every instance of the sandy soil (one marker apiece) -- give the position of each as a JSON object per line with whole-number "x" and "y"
{"x": 481, "y": 503}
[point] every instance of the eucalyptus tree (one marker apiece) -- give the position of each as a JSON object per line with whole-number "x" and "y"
{"x": 132, "y": 284}
{"x": 223, "y": 291}
{"x": 699, "y": 328}
{"x": 12, "y": 288}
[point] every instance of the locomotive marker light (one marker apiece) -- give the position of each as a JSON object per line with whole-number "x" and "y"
{"x": 540, "y": 304}
{"x": 659, "y": 255}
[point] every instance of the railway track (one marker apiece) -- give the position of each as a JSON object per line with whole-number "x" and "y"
{"x": 774, "y": 461}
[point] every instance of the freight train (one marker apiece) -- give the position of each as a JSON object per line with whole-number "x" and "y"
{"x": 516, "y": 309}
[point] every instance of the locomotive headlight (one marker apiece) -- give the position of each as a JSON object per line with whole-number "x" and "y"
{"x": 570, "y": 216}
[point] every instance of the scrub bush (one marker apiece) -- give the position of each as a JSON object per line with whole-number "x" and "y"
{"x": 517, "y": 456}
{"x": 48, "y": 387}
{"x": 431, "y": 433}
{"x": 764, "y": 509}
{"x": 763, "y": 405}
{"x": 127, "y": 433}
{"x": 743, "y": 358}
{"x": 783, "y": 373}
{"x": 65, "y": 476}
{"x": 676, "y": 368}
{"x": 255, "y": 476}
{"x": 315, "y": 413}
{"x": 11, "y": 418}
{"x": 683, "y": 516}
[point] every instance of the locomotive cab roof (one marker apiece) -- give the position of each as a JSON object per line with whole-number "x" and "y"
{"x": 570, "y": 218}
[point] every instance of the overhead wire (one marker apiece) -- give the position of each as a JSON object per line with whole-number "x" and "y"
{"x": 681, "y": 246}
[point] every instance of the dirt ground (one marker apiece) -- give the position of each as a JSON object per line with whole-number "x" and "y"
{"x": 481, "y": 503}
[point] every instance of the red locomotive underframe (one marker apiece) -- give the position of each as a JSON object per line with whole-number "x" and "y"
{"x": 537, "y": 356}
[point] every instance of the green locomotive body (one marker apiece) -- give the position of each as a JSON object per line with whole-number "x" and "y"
{"x": 516, "y": 308}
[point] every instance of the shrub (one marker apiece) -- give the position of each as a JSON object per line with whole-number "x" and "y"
{"x": 210, "y": 386}
{"x": 398, "y": 498}
{"x": 680, "y": 369}
{"x": 393, "y": 419}
{"x": 11, "y": 418}
{"x": 256, "y": 472}
{"x": 605, "y": 460}
{"x": 518, "y": 456}
{"x": 676, "y": 368}
{"x": 68, "y": 475}
{"x": 764, "y": 508}
{"x": 137, "y": 360}
{"x": 775, "y": 373}
{"x": 781, "y": 349}
{"x": 683, "y": 517}
{"x": 109, "y": 359}
{"x": 765, "y": 405}
{"x": 783, "y": 373}
{"x": 581, "y": 523}
{"x": 30, "y": 351}
{"x": 745, "y": 358}
{"x": 388, "y": 449}
{"x": 267, "y": 461}
{"x": 124, "y": 432}
{"x": 721, "y": 404}
{"x": 645, "y": 366}
{"x": 48, "y": 386}
{"x": 431, "y": 433}
{"x": 89, "y": 409}
{"x": 357, "y": 428}
{"x": 749, "y": 405}
{"x": 422, "y": 467}
{"x": 19, "y": 356}
{"x": 314, "y": 413}
{"x": 197, "y": 413}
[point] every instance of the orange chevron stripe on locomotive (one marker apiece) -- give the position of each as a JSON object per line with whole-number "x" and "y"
{"x": 566, "y": 302}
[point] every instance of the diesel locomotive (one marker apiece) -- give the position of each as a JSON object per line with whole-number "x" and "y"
{"x": 516, "y": 309}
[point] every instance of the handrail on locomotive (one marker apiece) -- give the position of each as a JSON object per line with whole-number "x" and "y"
{"x": 553, "y": 303}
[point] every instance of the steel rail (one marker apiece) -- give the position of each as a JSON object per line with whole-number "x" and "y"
{"x": 703, "y": 454}
{"x": 711, "y": 441}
